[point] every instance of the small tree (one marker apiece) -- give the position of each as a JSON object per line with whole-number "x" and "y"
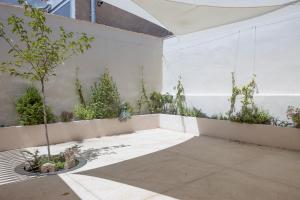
{"x": 37, "y": 51}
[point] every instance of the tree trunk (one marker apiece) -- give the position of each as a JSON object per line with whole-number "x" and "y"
{"x": 45, "y": 118}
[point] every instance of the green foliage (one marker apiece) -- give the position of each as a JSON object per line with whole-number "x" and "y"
{"x": 82, "y": 112}
{"x": 78, "y": 88}
{"x": 194, "y": 112}
{"x": 249, "y": 112}
{"x": 105, "y": 99}
{"x": 169, "y": 106}
{"x": 35, "y": 160}
{"x": 125, "y": 111}
{"x": 156, "y": 103}
{"x": 143, "y": 102}
{"x": 36, "y": 51}
{"x": 235, "y": 92}
{"x": 30, "y": 108}
{"x": 294, "y": 114}
{"x": 219, "y": 117}
{"x": 180, "y": 99}
{"x": 59, "y": 165}
{"x": 252, "y": 115}
{"x": 66, "y": 116}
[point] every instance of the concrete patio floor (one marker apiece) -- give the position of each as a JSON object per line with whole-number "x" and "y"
{"x": 162, "y": 164}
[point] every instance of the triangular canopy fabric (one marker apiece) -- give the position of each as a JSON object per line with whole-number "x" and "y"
{"x": 182, "y": 18}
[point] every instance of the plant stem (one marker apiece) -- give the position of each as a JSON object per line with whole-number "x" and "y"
{"x": 45, "y": 118}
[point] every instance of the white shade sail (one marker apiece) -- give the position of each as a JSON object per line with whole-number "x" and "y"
{"x": 182, "y": 18}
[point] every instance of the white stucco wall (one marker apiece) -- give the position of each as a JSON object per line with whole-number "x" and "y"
{"x": 121, "y": 52}
{"x": 206, "y": 59}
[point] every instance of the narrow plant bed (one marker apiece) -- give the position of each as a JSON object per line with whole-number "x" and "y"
{"x": 40, "y": 165}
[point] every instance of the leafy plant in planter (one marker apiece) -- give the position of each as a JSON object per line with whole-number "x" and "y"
{"x": 294, "y": 114}
{"x": 156, "y": 102}
{"x": 36, "y": 51}
{"x": 35, "y": 161}
{"x": 105, "y": 99}
{"x": 249, "y": 112}
{"x": 169, "y": 106}
{"x": 30, "y": 108}
{"x": 180, "y": 98}
{"x": 66, "y": 116}
{"x": 143, "y": 103}
{"x": 83, "y": 112}
{"x": 125, "y": 112}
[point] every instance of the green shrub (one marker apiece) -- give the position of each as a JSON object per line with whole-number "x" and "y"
{"x": 194, "y": 112}
{"x": 156, "y": 102}
{"x": 105, "y": 99}
{"x": 82, "y": 112}
{"x": 66, "y": 116}
{"x": 294, "y": 114}
{"x": 125, "y": 111}
{"x": 252, "y": 116}
{"x": 30, "y": 108}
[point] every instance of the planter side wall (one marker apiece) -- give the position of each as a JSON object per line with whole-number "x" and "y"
{"x": 287, "y": 138}
{"x": 29, "y": 136}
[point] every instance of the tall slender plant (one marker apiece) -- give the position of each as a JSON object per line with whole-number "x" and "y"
{"x": 235, "y": 92}
{"x": 143, "y": 102}
{"x": 180, "y": 98}
{"x": 37, "y": 51}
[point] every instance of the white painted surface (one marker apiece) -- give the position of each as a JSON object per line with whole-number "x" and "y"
{"x": 206, "y": 59}
{"x": 121, "y": 52}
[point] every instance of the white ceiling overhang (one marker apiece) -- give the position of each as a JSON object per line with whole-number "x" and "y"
{"x": 183, "y": 18}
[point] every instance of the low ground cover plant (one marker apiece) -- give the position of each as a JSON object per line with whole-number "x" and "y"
{"x": 36, "y": 163}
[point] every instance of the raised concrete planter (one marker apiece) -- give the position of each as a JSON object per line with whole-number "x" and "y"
{"x": 29, "y": 136}
{"x": 16, "y": 137}
{"x": 288, "y": 138}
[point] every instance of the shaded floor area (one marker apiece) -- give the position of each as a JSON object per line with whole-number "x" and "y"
{"x": 46, "y": 188}
{"x": 208, "y": 168}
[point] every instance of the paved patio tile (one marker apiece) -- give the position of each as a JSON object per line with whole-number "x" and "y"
{"x": 167, "y": 165}
{"x": 233, "y": 185}
{"x": 45, "y": 188}
{"x": 276, "y": 167}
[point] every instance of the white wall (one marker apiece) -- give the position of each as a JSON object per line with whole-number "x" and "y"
{"x": 206, "y": 59}
{"x": 122, "y": 52}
